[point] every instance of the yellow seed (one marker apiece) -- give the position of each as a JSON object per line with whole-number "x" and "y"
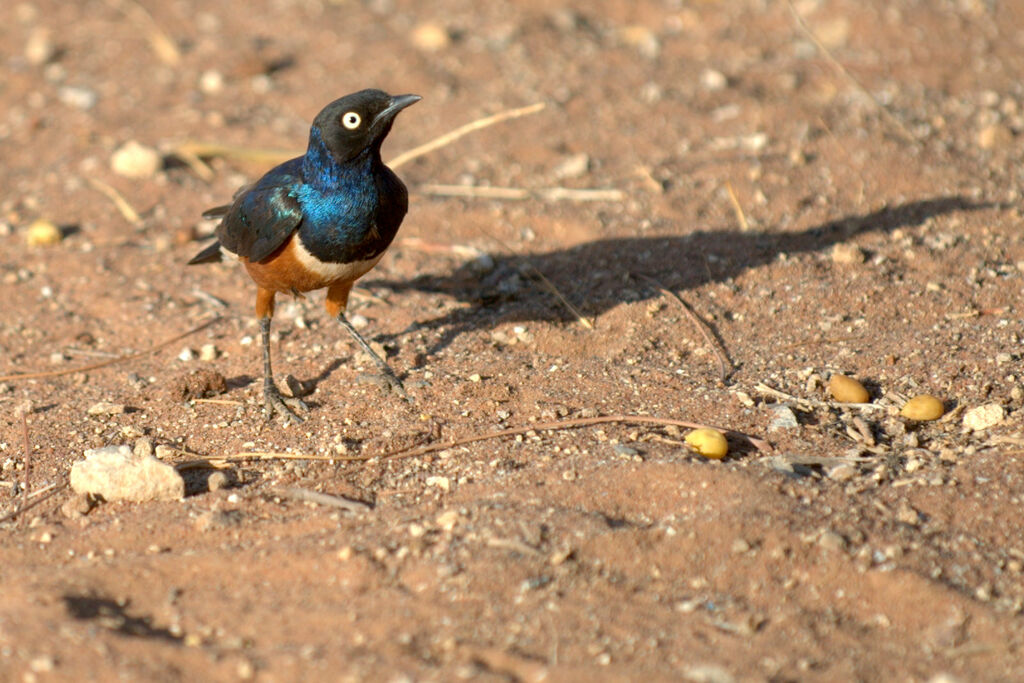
{"x": 923, "y": 407}
{"x": 847, "y": 390}
{"x": 708, "y": 442}
{"x": 43, "y": 233}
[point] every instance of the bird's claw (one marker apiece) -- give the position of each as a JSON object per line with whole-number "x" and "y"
{"x": 273, "y": 403}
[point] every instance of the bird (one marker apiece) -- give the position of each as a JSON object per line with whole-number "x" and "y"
{"x": 320, "y": 220}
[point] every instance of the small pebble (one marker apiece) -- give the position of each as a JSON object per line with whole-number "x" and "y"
{"x": 39, "y": 49}
{"x": 217, "y": 481}
{"x": 211, "y": 82}
{"x": 842, "y": 473}
{"x": 713, "y": 80}
{"x": 143, "y": 447}
{"x": 830, "y": 540}
{"x": 573, "y": 166}
{"x": 208, "y": 352}
{"x": 77, "y": 97}
{"x": 133, "y": 160}
{"x": 983, "y": 417}
{"x": 783, "y": 417}
{"x": 105, "y": 408}
{"x": 76, "y": 506}
{"x": 847, "y": 390}
{"x": 186, "y": 354}
{"x": 847, "y": 254}
{"x": 430, "y": 37}
{"x": 995, "y": 135}
{"x": 708, "y": 442}
{"x": 43, "y": 233}
{"x": 924, "y": 408}
{"x": 443, "y": 483}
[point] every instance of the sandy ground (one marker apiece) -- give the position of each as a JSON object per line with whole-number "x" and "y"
{"x": 856, "y": 216}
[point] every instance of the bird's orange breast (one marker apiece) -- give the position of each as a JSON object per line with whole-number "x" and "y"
{"x": 292, "y": 268}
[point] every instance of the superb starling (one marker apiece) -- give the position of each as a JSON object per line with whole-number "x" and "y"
{"x": 320, "y": 220}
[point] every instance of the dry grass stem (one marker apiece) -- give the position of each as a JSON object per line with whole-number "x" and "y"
{"x": 740, "y": 216}
{"x": 725, "y": 367}
{"x": 122, "y": 205}
{"x": 551, "y": 194}
{"x": 550, "y": 286}
{"x": 208, "y": 150}
{"x": 306, "y": 496}
{"x": 112, "y": 361}
{"x": 450, "y": 137}
{"x": 42, "y": 496}
{"x": 759, "y": 444}
{"x": 163, "y": 46}
{"x": 888, "y": 115}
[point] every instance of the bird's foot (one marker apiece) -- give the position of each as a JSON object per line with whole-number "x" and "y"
{"x": 387, "y": 380}
{"x": 273, "y": 403}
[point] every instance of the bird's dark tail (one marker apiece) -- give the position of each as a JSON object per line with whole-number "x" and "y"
{"x": 209, "y": 255}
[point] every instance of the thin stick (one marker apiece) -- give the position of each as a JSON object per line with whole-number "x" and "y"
{"x": 43, "y": 497}
{"x": 307, "y": 496}
{"x": 162, "y": 45}
{"x": 759, "y": 444}
{"x": 112, "y": 361}
{"x": 550, "y": 286}
{"x": 126, "y": 210}
{"x": 201, "y": 150}
{"x": 552, "y": 194}
{"x": 725, "y": 367}
{"x": 903, "y": 130}
{"x": 218, "y": 401}
{"x": 448, "y": 138}
{"x": 28, "y": 456}
{"x": 740, "y": 216}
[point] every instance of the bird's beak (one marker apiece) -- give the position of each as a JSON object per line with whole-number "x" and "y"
{"x": 398, "y": 103}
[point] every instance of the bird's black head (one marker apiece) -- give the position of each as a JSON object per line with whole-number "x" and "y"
{"x": 358, "y": 121}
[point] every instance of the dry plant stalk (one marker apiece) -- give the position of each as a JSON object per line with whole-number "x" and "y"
{"x": 888, "y": 115}
{"x": 112, "y": 361}
{"x": 548, "y": 284}
{"x": 452, "y": 136}
{"x": 126, "y": 210}
{"x": 724, "y": 365}
{"x": 740, "y": 216}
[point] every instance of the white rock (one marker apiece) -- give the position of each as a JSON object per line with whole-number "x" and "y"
{"x": 115, "y": 473}
{"x": 713, "y": 80}
{"x": 983, "y": 417}
{"x": 133, "y": 160}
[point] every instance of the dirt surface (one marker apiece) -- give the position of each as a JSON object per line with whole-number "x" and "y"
{"x": 877, "y": 234}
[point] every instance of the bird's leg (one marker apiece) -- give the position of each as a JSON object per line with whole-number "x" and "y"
{"x": 337, "y": 300}
{"x": 273, "y": 402}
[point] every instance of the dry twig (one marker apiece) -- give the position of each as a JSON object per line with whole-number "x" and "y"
{"x": 112, "y": 361}
{"x": 763, "y": 388}
{"x": 125, "y": 209}
{"x": 165, "y": 48}
{"x": 759, "y": 444}
{"x": 551, "y": 194}
{"x": 306, "y": 496}
{"x": 740, "y": 216}
{"x": 724, "y": 365}
{"x": 888, "y": 115}
{"x": 548, "y": 284}
{"x": 450, "y": 137}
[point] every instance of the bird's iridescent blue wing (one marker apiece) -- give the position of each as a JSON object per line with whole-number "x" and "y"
{"x": 263, "y": 217}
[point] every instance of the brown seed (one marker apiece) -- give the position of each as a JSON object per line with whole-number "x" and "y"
{"x": 847, "y": 390}
{"x": 923, "y": 407}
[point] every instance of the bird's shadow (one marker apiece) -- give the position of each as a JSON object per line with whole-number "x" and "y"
{"x": 596, "y": 276}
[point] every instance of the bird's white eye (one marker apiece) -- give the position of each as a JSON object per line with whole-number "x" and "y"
{"x": 351, "y": 120}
